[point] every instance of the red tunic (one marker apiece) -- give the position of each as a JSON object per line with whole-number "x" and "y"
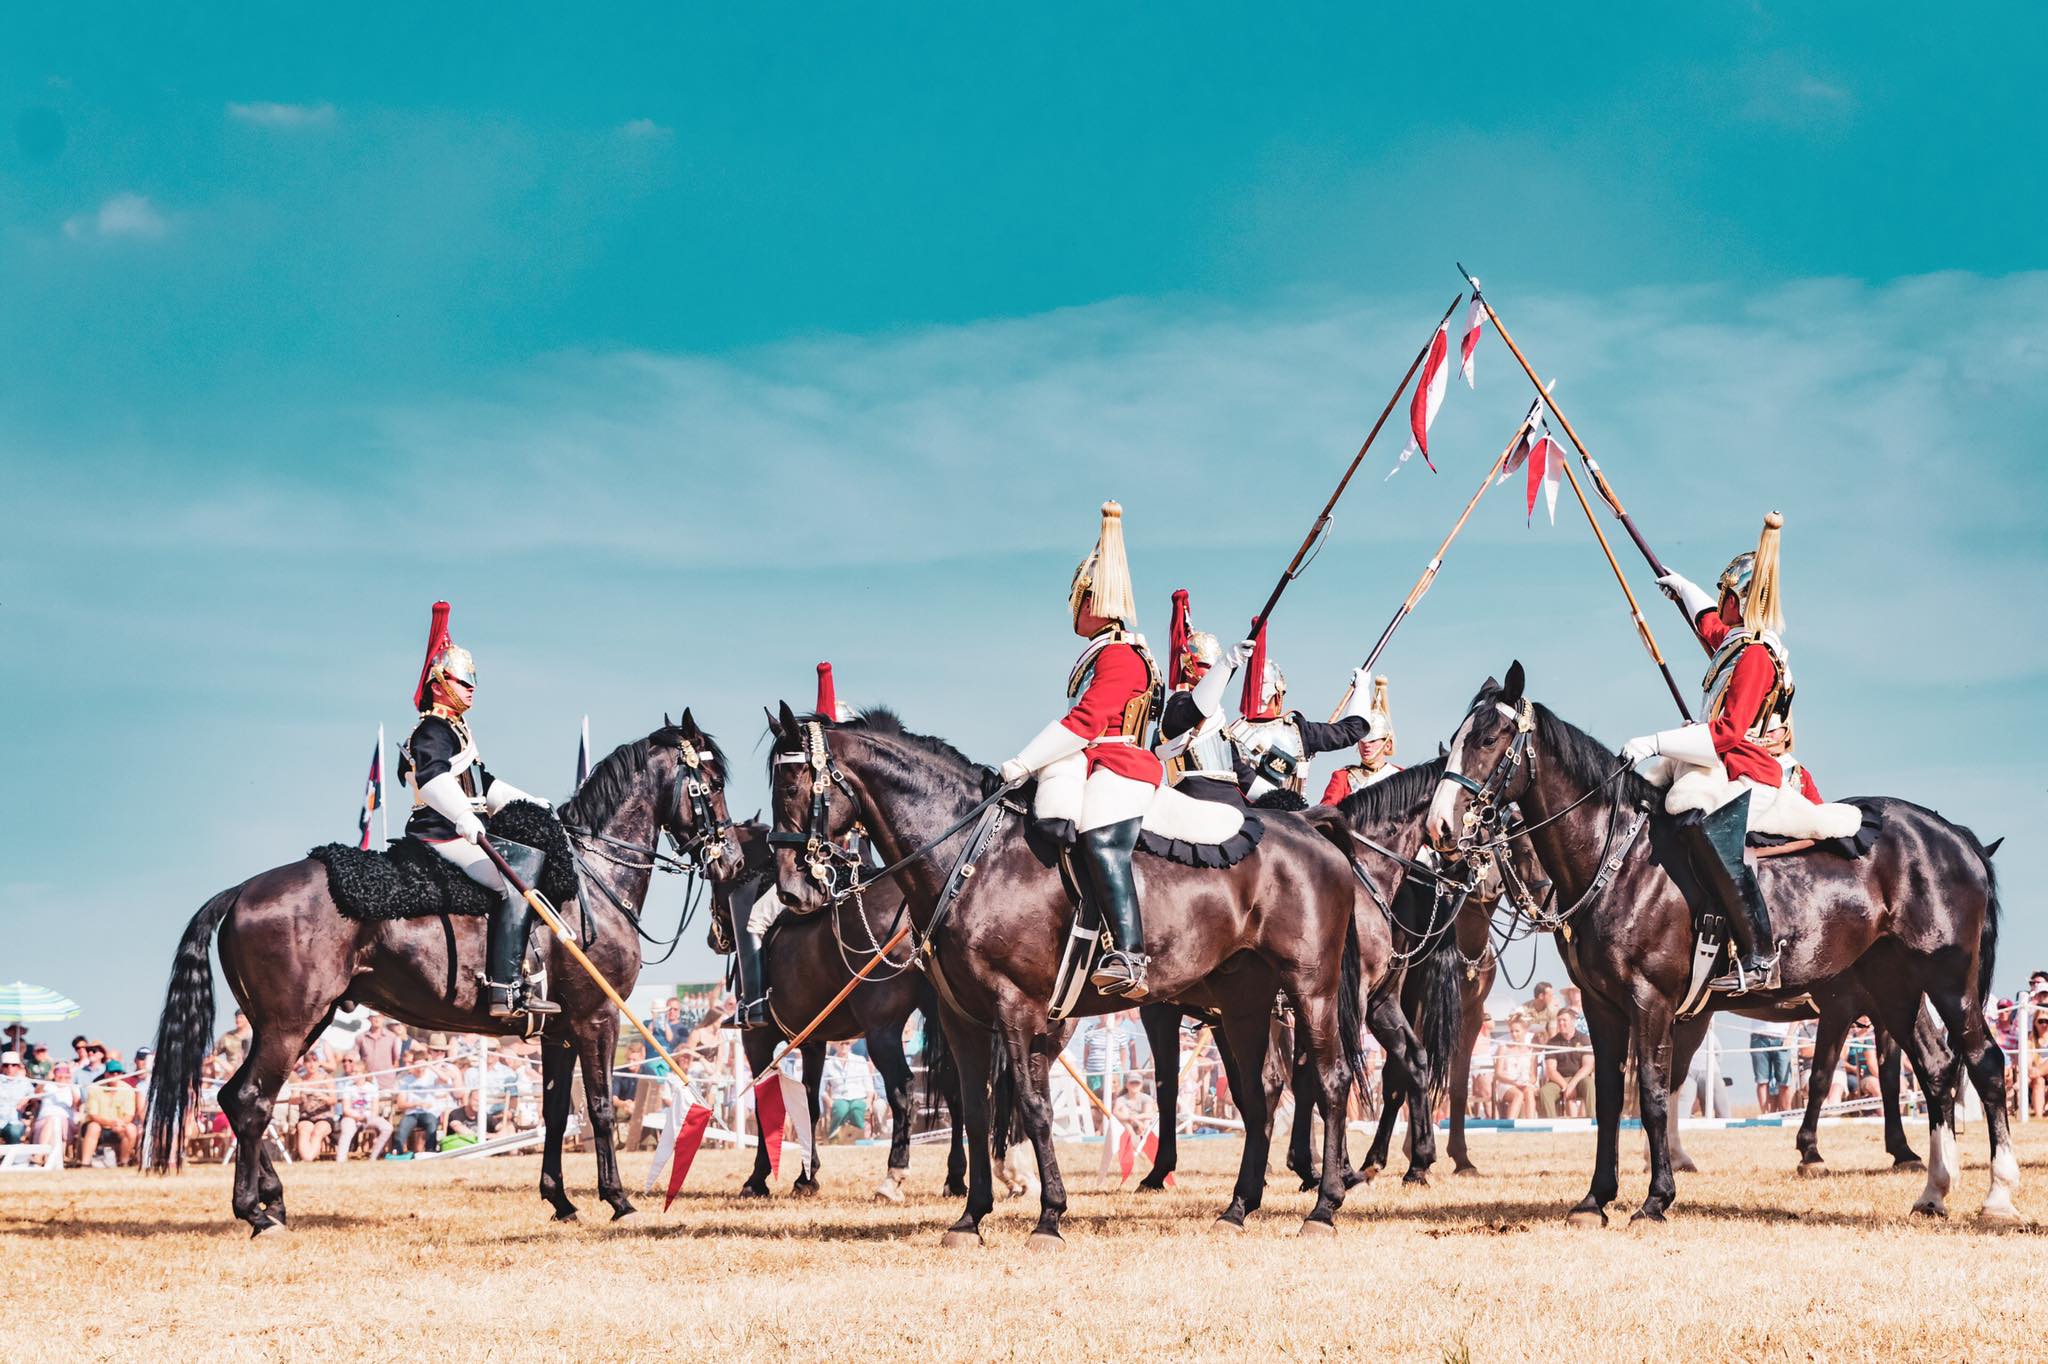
{"x": 1120, "y": 678}
{"x": 1806, "y": 786}
{"x": 1755, "y": 674}
{"x": 1339, "y": 787}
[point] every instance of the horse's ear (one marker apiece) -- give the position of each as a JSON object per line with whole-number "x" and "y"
{"x": 789, "y": 725}
{"x": 688, "y": 724}
{"x": 667, "y": 723}
{"x": 773, "y": 727}
{"x": 1511, "y": 693}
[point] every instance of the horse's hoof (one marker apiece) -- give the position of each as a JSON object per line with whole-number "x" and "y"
{"x": 1929, "y": 1208}
{"x": 1044, "y": 1241}
{"x": 751, "y": 1190}
{"x": 1645, "y": 1220}
{"x": 565, "y": 1215}
{"x": 956, "y": 1190}
{"x": 1999, "y": 1217}
{"x": 1584, "y": 1219}
{"x": 1366, "y": 1175}
{"x": 1312, "y": 1229}
{"x": 1812, "y": 1169}
{"x": 1224, "y": 1224}
{"x": 623, "y": 1210}
{"x": 269, "y": 1229}
{"x": 961, "y": 1240}
{"x": 1417, "y": 1178}
{"x": 889, "y": 1193}
{"x": 1466, "y": 1170}
{"x": 1152, "y": 1183}
{"x": 1909, "y": 1165}
{"x": 804, "y": 1189}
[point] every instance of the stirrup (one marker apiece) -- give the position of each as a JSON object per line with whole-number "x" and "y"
{"x": 1760, "y": 974}
{"x": 1120, "y": 975}
{"x": 752, "y": 1014}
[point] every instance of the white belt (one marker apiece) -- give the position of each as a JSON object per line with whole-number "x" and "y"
{"x": 1111, "y": 739}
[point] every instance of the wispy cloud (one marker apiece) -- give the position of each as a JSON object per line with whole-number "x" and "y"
{"x": 1778, "y": 88}
{"x": 125, "y": 216}
{"x": 267, "y": 114}
{"x": 644, "y": 129}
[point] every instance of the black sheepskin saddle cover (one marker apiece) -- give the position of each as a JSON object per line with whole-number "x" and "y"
{"x": 411, "y": 880}
{"x": 1854, "y": 846}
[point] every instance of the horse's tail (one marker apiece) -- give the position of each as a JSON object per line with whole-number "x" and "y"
{"x": 184, "y": 1034}
{"x": 1987, "y": 943}
{"x": 1331, "y": 824}
{"x": 1435, "y": 987}
{"x": 941, "y": 1073}
{"x": 1002, "y": 1104}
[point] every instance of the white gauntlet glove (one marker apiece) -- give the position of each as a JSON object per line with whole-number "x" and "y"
{"x": 1207, "y": 694}
{"x": 1052, "y": 743}
{"x": 445, "y": 796}
{"x": 1687, "y": 594}
{"x": 1638, "y": 749}
{"x": 1688, "y": 743}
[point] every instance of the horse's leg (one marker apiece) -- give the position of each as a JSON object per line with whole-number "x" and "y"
{"x": 759, "y": 1046}
{"x": 1301, "y": 1152}
{"x": 1653, "y": 1092}
{"x": 1031, "y": 1054}
{"x": 885, "y": 1049}
{"x": 971, "y": 1057}
{"x": 1828, "y": 1038}
{"x": 247, "y": 1100}
{"x": 1404, "y": 1073}
{"x": 956, "y": 1148}
{"x": 1376, "y": 1155}
{"x": 1970, "y": 1040}
{"x": 1610, "y": 1051}
{"x": 1890, "y": 1054}
{"x": 597, "y": 1041}
{"x": 557, "y": 1075}
{"x": 1470, "y": 1019}
{"x": 806, "y": 1183}
{"x": 1249, "y": 1037}
{"x": 1901, "y": 1007}
{"x": 1162, "y": 1034}
{"x": 1686, "y": 1036}
{"x": 1316, "y": 1020}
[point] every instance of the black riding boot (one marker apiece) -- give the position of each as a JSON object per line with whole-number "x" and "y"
{"x": 507, "y": 987}
{"x": 752, "y": 995}
{"x": 1106, "y": 861}
{"x": 1714, "y": 845}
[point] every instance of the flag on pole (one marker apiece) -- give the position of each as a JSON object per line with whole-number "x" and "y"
{"x": 1543, "y": 459}
{"x": 1475, "y": 318}
{"x": 1428, "y": 399}
{"x": 583, "y": 755}
{"x": 689, "y": 1136}
{"x": 1127, "y": 1152}
{"x": 373, "y": 791}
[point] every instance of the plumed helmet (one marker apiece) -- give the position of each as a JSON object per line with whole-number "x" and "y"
{"x": 1379, "y": 716}
{"x": 1104, "y": 577}
{"x": 1202, "y": 650}
{"x": 1271, "y": 686}
{"x": 1735, "y": 578}
{"x": 829, "y": 704}
{"x": 445, "y": 660}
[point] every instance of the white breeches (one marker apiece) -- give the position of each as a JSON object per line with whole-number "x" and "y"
{"x": 765, "y": 910}
{"x": 1110, "y": 799}
{"x": 474, "y": 861}
{"x": 1782, "y": 811}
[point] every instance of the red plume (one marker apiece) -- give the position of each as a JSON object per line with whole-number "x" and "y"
{"x": 1177, "y": 641}
{"x": 1251, "y": 703}
{"x": 437, "y": 640}
{"x": 828, "y": 699}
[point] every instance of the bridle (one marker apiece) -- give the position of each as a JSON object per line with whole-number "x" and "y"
{"x": 1485, "y": 819}
{"x": 691, "y": 787}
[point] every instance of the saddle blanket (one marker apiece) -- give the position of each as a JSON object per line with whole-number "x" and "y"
{"x": 411, "y": 880}
{"x": 1782, "y": 811}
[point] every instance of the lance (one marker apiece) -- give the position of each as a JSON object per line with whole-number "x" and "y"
{"x": 1436, "y": 562}
{"x": 1600, "y": 482}
{"x": 1322, "y": 521}
{"x": 858, "y": 976}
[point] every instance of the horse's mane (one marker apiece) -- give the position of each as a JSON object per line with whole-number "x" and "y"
{"x": 1587, "y": 761}
{"x": 883, "y": 720}
{"x": 1395, "y": 796}
{"x": 613, "y": 781}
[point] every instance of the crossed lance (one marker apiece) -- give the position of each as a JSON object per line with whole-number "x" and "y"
{"x": 1545, "y": 398}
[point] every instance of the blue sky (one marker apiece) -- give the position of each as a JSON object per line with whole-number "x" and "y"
{"x": 682, "y": 350}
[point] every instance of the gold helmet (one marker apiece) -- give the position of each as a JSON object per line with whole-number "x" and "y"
{"x": 1201, "y": 652}
{"x": 1752, "y": 578}
{"x": 446, "y": 661}
{"x": 1379, "y": 716}
{"x": 1103, "y": 580}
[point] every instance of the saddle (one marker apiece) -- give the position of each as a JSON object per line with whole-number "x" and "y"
{"x": 1854, "y": 845}
{"x": 409, "y": 880}
{"x": 1178, "y": 827}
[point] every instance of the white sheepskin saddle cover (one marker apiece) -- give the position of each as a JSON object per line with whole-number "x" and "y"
{"x": 1172, "y": 814}
{"x": 1782, "y": 812}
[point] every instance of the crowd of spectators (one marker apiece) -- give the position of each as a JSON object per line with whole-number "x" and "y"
{"x": 369, "y": 1087}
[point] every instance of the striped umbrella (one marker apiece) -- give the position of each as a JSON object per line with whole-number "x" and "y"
{"x": 25, "y": 1003}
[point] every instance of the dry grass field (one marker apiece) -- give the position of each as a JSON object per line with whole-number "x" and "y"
{"x": 443, "y": 1263}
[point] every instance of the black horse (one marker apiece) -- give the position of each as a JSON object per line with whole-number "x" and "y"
{"x": 1916, "y": 916}
{"x": 1287, "y": 918}
{"x": 808, "y": 959}
{"x": 292, "y": 958}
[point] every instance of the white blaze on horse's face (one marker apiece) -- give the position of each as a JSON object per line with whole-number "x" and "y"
{"x": 1441, "y": 825}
